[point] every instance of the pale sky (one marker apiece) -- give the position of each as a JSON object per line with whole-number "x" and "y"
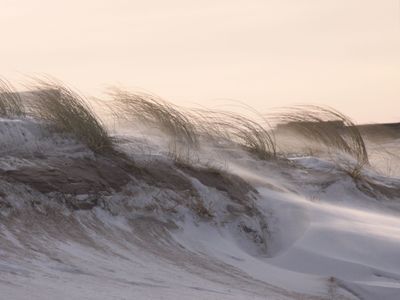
{"x": 266, "y": 53}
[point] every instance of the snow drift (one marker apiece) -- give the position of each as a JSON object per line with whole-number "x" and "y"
{"x": 155, "y": 219}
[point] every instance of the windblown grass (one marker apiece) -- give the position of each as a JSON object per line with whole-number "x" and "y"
{"x": 188, "y": 127}
{"x": 247, "y": 133}
{"x": 70, "y": 113}
{"x": 159, "y": 114}
{"x": 10, "y": 101}
{"x": 328, "y": 127}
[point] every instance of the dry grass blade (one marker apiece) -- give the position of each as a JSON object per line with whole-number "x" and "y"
{"x": 70, "y": 113}
{"x": 157, "y": 113}
{"x": 239, "y": 129}
{"x": 327, "y": 127}
{"x": 10, "y": 101}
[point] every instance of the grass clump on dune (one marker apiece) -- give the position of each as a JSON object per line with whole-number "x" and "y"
{"x": 328, "y": 127}
{"x": 232, "y": 127}
{"x": 70, "y": 113}
{"x": 158, "y": 114}
{"x": 10, "y": 101}
{"x": 187, "y": 127}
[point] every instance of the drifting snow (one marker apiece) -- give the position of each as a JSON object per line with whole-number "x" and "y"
{"x": 307, "y": 231}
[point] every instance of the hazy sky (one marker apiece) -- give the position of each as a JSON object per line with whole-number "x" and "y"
{"x": 267, "y": 53}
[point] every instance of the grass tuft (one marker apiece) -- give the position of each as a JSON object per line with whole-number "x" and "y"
{"x": 10, "y": 101}
{"x": 70, "y": 113}
{"x": 232, "y": 127}
{"x": 328, "y": 127}
{"x": 187, "y": 127}
{"x": 159, "y": 114}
